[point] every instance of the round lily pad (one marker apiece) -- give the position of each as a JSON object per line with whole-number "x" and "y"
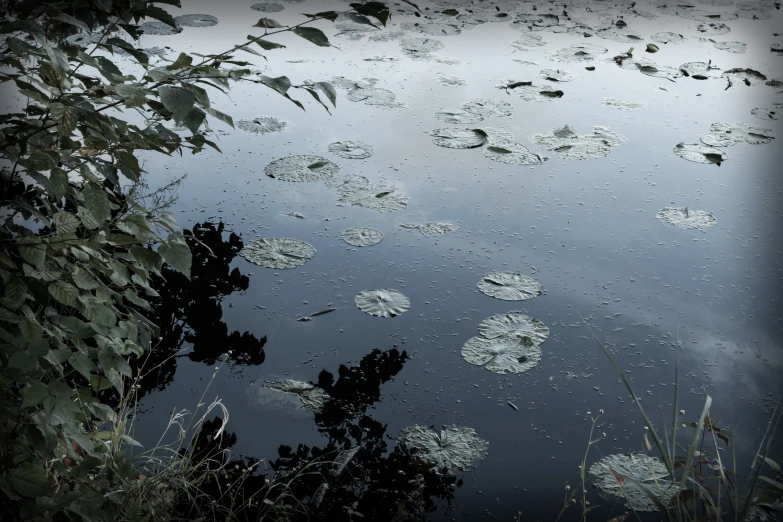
{"x": 503, "y": 354}
{"x": 488, "y": 107}
{"x": 556, "y": 75}
{"x": 510, "y": 286}
{"x": 433, "y": 229}
{"x": 458, "y": 138}
{"x": 451, "y": 448}
{"x": 450, "y": 80}
{"x": 511, "y": 153}
{"x": 667, "y": 37}
{"x": 433, "y": 28}
{"x": 281, "y": 253}
{"x": 288, "y": 395}
{"x": 527, "y": 41}
{"x": 420, "y": 45}
{"x": 683, "y": 217}
{"x": 578, "y": 53}
{"x": 642, "y": 469}
{"x": 732, "y": 47}
{"x": 347, "y": 182}
{"x": 457, "y": 116}
{"x": 754, "y": 10}
{"x": 619, "y": 34}
{"x": 514, "y": 325}
{"x": 700, "y": 153}
{"x": 351, "y": 149}
{"x": 716, "y": 140}
{"x": 375, "y": 196}
{"x": 764, "y": 114}
{"x": 159, "y": 29}
{"x": 742, "y": 132}
{"x": 267, "y": 7}
{"x": 700, "y": 70}
{"x": 382, "y": 303}
{"x": 196, "y": 20}
{"x": 713, "y": 28}
{"x": 623, "y": 104}
{"x": 301, "y": 168}
{"x": 567, "y": 144}
{"x": 261, "y": 125}
{"x": 362, "y": 236}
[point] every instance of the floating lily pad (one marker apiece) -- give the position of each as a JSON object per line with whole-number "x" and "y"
{"x": 351, "y": 149}
{"x": 732, "y": 47}
{"x": 764, "y": 114}
{"x": 267, "y": 7}
{"x": 566, "y": 143}
{"x": 685, "y": 218}
{"x": 458, "y": 138}
{"x": 362, "y": 236}
{"x": 434, "y": 28}
{"x": 700, "y": 153}
{"x": 488, "y": 107}
{"x": 159, "y": 29}
{"x": 377, "y": 196}
{"x": 748, "y": 76}
{"x": 510, "y": 286}
{"x": 261, "y": 125}
{"x": 457, "y": 116}
{"x": 754, "y": 10}
{"x": 721, "y": 3}
{"x": 623, "y": 104}
{"x": 700, "y": 15}
{"x": 382, "y": 303}
{"x": 451, "y": 448}
{"x": 700, "y": 70}
{"x": 196, "y": 20}
{"x": 620, "y": 34}
{"x": 450, "y": 80}
{"x": 713, "y": 28}
{"x": 658, "y": 71}
{"x": 288, "y": 395}
{"x": 434, "y": 229}
{"x": 742, "y": 133}
{"x": 716, "y": 140}
{"x": 503, "y": 354}
{"x": 301, "y": 168}
{"x": 514, "y": 325}
{"x": 419, "y": 45}
{"x": 347, "y": 182}
{"x": 280, "y": 253}
{"x": 578, "y": 53}
{"x": 649, "y": 471}
{"x": 528, "y": 41}
{"x": 667, "y": 37}
{"x": 556, "y": 75}
{"x": 511, "y": 153}
{"x": 530, "y": 92}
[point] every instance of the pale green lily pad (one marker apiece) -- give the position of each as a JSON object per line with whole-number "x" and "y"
{"x": 578, "y": 53}
{"x": 347, "y": 182}
{"x": 716, "y": 140}
{"x": 623, "y": 105}
{"x": 530, "y": 92}
{"x": 528, "y": 41}
{"x": 451, "y": 448}
{"x": 732, "y": 47}
{"x": 488, "y": 107}
{"x": 351, "y": 149}
{"x": 556, "y": 75}
{"x": 742, "y": 133}
{"x": 301, "y": 168}
{"x": 700, "y": 70}
{"x": 511, "y": 153}
{"x": 449, "y": 80}
{"x": 764, "y": 114}
{"x": 280, "y": 253}
{"x": 643, "y": 469}
{"x": 196, "y": 20}
{"x": 362, "y": 236}
{"x": 261, "y": 125}
{"x": 713, "y": 28}
{"x": 667, "y": 37}
{"x": 288, "y": 395}
{"x": 382, "y": 303}
{"x": 683, "y": 217}
{"x": 376, "y": 196}
{"x": 620, "y": 34}
{"x": 457, "y": 116}
{"x": 267, "y": 7}
{"x": 503, "y": 354}
{"x": 514, "y": 325}
{"x": 567, "y": 144}
{"x": 418, "y": 45}
{"x": 510, "y": 286}
{"x": 458, "y": 138}
{"x": 700, "y": 153}
{"x": 433, "y": 229}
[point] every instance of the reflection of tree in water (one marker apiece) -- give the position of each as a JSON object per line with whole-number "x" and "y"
{"x": 190, "y": 311}
{"x": 379, "y": 484}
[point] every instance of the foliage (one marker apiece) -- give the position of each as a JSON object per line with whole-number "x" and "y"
{"x": 80, "y": 250}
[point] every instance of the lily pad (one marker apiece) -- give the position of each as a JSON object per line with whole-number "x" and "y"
{"x": 683, "y": 217}
{"x": 261, "y": 125}
{"x": 716, "y": 140}
{"x": 362, "y": 236}
{"x": 351, "y": 149}
{"x": 510, "y": 286}
{"x": 514, "y": 325}
{"x": 433, "y": 229}
{"x": 457, "y": 116}
{"x": 643, "y": 469}
{"x": 488, "y": 107}
{"x": 267, "y": 7}
{"x": 433, "y": 28}
{"x": 196, "y": 20}
{"x": 700, "y": 70}
{"x": 159, "y": 29}
{"x": 347, "y": 182}
{"x": 280, "y": 253}
{"x": 301, "y": 168}
{"x": 527, "y": 42}
{"x": 419, "y": 45}
{"x": 382, "y": 303}
{"x": 503, "y": 354}
{"x": 449, "y": 80}
{"x": 742, "y": 133}
{"x": 754, "y": 10}
{"x": 567, "y": 144}
{"x": 620, "y": 34}
{"x": 713, "y": 28}
{"x": 511, "y": 153}
{"x": 458, "y": 138}
{"x": 623, "y": 104}
{"x": 764, "y": 114}
{"x": 451, "y": 448}
{"x": 556, "y": 75}
{"x": 667, "y": 37}
{"x": 748, "y": 76}
{"x": 578, "y": 53}
{"x": 700, "y": 15}
{"x": 289, "y": 395}
{"x": 376, "y": 196}
{"x": 700, "y": 153}
{"x": 530, "y": 92}
{"x": 732, "y": 47}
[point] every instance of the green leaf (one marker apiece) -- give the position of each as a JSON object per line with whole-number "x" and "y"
{"x": 311, "y": 34}
{"x": 329, "y": 15}
{"x": 31, "y": 329}
{"x": 194, "y": 119}
{"x": 64, "y": 292}
{"x": 328, "y": 90}
{"x": 268, "y": 46}
{"x": 88, "y": 220}
{"x": 377, "y": 10}
{"x": 33, "y": 254}
{"x": 266, "y": 23}
{"x": 96, "y": 200}
{"x": 59, "y": 182}
{"x": 58, "y": 58}
{"x": 772, "y": 464}
{"x": 22, "y": 361}
{"x": 114, "y": 366}
{"x": 177, "y": 255}
{"x": 280, "y": 84}
{"x": 183, "y": 60}
{"x": 15, "y": 293}
{"x": 225, "y": 118}
{"x": 774, "y": 483}
{"x": 146, "y": 257}
{"x": 29, "y": 480}
{"x": 34, "y": 395}
{"x": 68, "y": 19}
{"x": 66, "y": 224}
{"x": 177, "y": 100}
{"x": 359, "y": 19}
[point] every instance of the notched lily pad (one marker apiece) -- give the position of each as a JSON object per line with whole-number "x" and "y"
{"x": 351, "y": 149}
{"x": 713, "y": 28}
{"x": 375, "y": 196}
{"x": 303, "y": 168}
{"x": 566, "y": 143}
{"x": 488, "y": 107}
{"x": 458, "y": 138}
{"x": 382, "y": 303}
{"x": 261, "y": 125}
{"x": 433, "y": 229}
{"x": 700, "y": 70}
{"x": 511, "y": 153}
{"x": 449, "y": 449}
{"x": 419, "y": 46}
{"x": 449, "y": 80}
{"x": 510, "y": 286}
{"x": 527, "y": 42}
{"x": 649, "y": 471}
{"x": 457, "y": 116}
{"x": 280, "y": 253}
{"x": 502, "y": 354}
{"x": 742, "y": 133}
{"x": 362, "y": 236}
{"x": 700, "y": 153}
{"x": 683, "y": 217}
{"x": 288, "y": 395}
{"x": 514, "y": 325}
{"x": 556, "y": 75}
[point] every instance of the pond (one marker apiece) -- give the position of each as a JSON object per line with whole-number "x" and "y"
{"x": 574, "y": 182}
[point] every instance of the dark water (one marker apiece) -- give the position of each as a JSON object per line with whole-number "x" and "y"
{"x": 585, "y": 229}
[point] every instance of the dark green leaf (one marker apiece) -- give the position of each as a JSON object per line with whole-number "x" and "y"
{"x": 267, "y": 23}
{"x": 177, "y": 255}
{"x": 96, "y": 200}
{"x": 225, "y": 118}
{"x": 34, "y": 395}
{"x": 177, "y": 100}
{"x": 64, "y": 292}
{"x": 311, "y": 34}
{"x": 29, "y": 480}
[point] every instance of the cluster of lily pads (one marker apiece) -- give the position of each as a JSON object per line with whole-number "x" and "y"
{"x": 722, "y": 135}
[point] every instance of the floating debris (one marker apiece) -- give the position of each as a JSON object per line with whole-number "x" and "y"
{"x": 700, "y": 153}
{"x": 288, "y": 395}
{"x": 567, "y": 144}
{"x": 297, "y": 215}
{"x": 700, "y": 70}
{"x": 280, "y": 253}
{"x": 529, "y": 92}
{"x": 652, "y": 48}
{"x": 684, "y": 218}
{"x": 713, "y": 28}
{"x": 451, "y": 448}
{"x": 303, "y": 168}
{"x": 351, "y": 149}
{"x": 433, "y": 229}
{"x": 610, "y": 478}
{"x": 382, "y": 303}
{"x": 503, "y": 354}
{"x": 261, "y": 125}
{"x": 322, "y": 312}
{"x": 362, "y": 236}
{"x": 509, "y": 286}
